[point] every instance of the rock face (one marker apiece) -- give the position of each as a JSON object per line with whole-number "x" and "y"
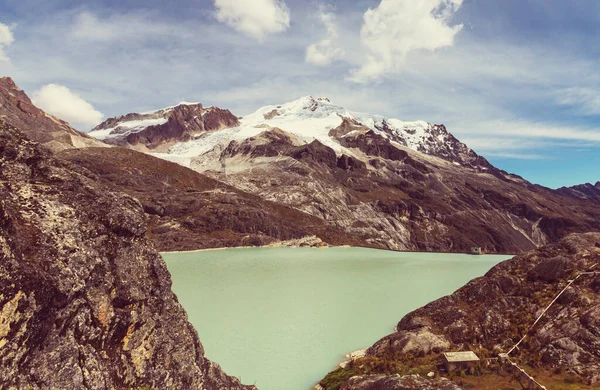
{"x": 17, "y": 109}
{"x": 85, "y": 301}
{"x": 159, "y": 129}
{"x": 490, "y": 314}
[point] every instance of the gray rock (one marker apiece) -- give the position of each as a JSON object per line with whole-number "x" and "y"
{"x": 85, "y": 300}
{"x": 397, "y": 382}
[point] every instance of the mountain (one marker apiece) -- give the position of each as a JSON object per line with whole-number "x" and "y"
{"x": 582, "y": 191}
{"x": 17, "y": 110}
{"x": 308, "y": 118}
{"x": 491, "y": 314}
{"x": 86, "y": 300}
{"x": 157, "y": 129}
{"x": 187, "y": 211}
{"x": 388, "y": 183}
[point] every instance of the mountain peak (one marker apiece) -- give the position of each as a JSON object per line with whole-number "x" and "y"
{"x": 9, "y": 83}
{"x": 180, "y": 104}
{"x": 154, "y": 129}
{"x": 18, "y": 110}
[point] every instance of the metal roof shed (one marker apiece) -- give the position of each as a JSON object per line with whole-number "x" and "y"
{"x": 460, "y": 360}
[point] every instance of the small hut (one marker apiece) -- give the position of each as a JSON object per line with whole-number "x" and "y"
{"x": 460, "y": 360}
{"x": 476, "y": 250}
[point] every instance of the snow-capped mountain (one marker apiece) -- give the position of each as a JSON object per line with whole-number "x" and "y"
{"x": 307, "y": 168}
{"x": 307, "y": 119}
{"x": 156, "y": 129}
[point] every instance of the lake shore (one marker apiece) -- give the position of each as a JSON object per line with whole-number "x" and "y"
{"x": 285, "y": 245}
{"x": 305, "y": 242}
{"x": 284, "y": 318}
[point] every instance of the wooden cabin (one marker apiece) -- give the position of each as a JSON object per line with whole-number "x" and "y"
{"x": 460, "y": 360}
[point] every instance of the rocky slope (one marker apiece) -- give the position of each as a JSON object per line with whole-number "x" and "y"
{"x": 399, "y": 198}
{"x": 85, "y": 302}
{"x": 397, "y": 382}
{"x": 391, "y": 184}
{"x": 16, "y": 109}
{"x": 187, "y": 210}
{"x": 582, "y": 191}
{"x": 490, "y": 315}
{"x": 159, "y": 129}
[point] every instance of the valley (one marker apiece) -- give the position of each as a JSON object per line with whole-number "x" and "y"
{"x": 305, "y": 173}
{"x": 299, "y": 195}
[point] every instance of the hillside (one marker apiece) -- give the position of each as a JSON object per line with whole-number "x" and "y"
{"x": 86, "y": 300}
{"x": 17, "y": 110}
{"x": 385, "y": 182}
{"x": 491, "y": 314}
{"x": 187, "y": 211}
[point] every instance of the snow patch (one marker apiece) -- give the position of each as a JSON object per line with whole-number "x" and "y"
{"x": 127, "y": 127}
{"x": 169, "y": 108}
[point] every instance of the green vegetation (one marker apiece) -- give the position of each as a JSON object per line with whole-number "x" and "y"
{"x": 371, "y": 365}
{"x": 336, "y": 378}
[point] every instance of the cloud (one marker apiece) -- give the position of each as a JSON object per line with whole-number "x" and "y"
{"x": 397, "y": 27}
{"x": 585, "y": 100}
{"x": 88, "y": 27}
{"x": 525, "y": 140}
{"x": 61, "y": 101}
{"x": 257, "y": 18}
{"x": 325, "y": 51}
{"x": 127, "y": 28}
{"x": 6, "y": 39}
{"x": 518, "y": 156}
{"x": 522, "y": 129}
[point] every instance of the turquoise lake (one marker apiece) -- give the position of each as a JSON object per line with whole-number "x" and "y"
{"x": 282, "y": 318}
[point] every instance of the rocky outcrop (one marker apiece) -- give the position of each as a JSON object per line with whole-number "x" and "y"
{"x": 398, "y": 382}
{"x": 163, "y": 127}
{"x": 17, "y": 110}
{"x": 491, "y": 314}
{"x": 85, "y": 301}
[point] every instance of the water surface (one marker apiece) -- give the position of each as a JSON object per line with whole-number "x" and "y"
{"x": 283, "y": 317}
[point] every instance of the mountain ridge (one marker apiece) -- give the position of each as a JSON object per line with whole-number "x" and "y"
{"x": 397, "y": 185}
{"x": 582, "y": 191}
{"x": 17, "y": 110}
{"x": 327, "y": 119}
{"x": 157, "y": 129}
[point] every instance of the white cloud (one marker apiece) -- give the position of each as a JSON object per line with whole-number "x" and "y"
{"x": 521, "y": 139}
{"x": 397, "y": 27}
{"x": 325, "y": 51}
{"x": 522, "y": 129}
{"x": 61, "y": 101}
{"x": 6, "y": 39}
{"x": 256, "y": 18}
{"x": 88, "y": 26}
{"x": 127, "y": 28}
{"x": 585, "y": 100}
{"x": 518, "y": 156}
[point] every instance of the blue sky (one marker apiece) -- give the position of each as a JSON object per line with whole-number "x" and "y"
{"x": 517, "y": 80}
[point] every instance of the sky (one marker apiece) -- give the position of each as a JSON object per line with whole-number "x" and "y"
{"x": 516, "y": 80}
